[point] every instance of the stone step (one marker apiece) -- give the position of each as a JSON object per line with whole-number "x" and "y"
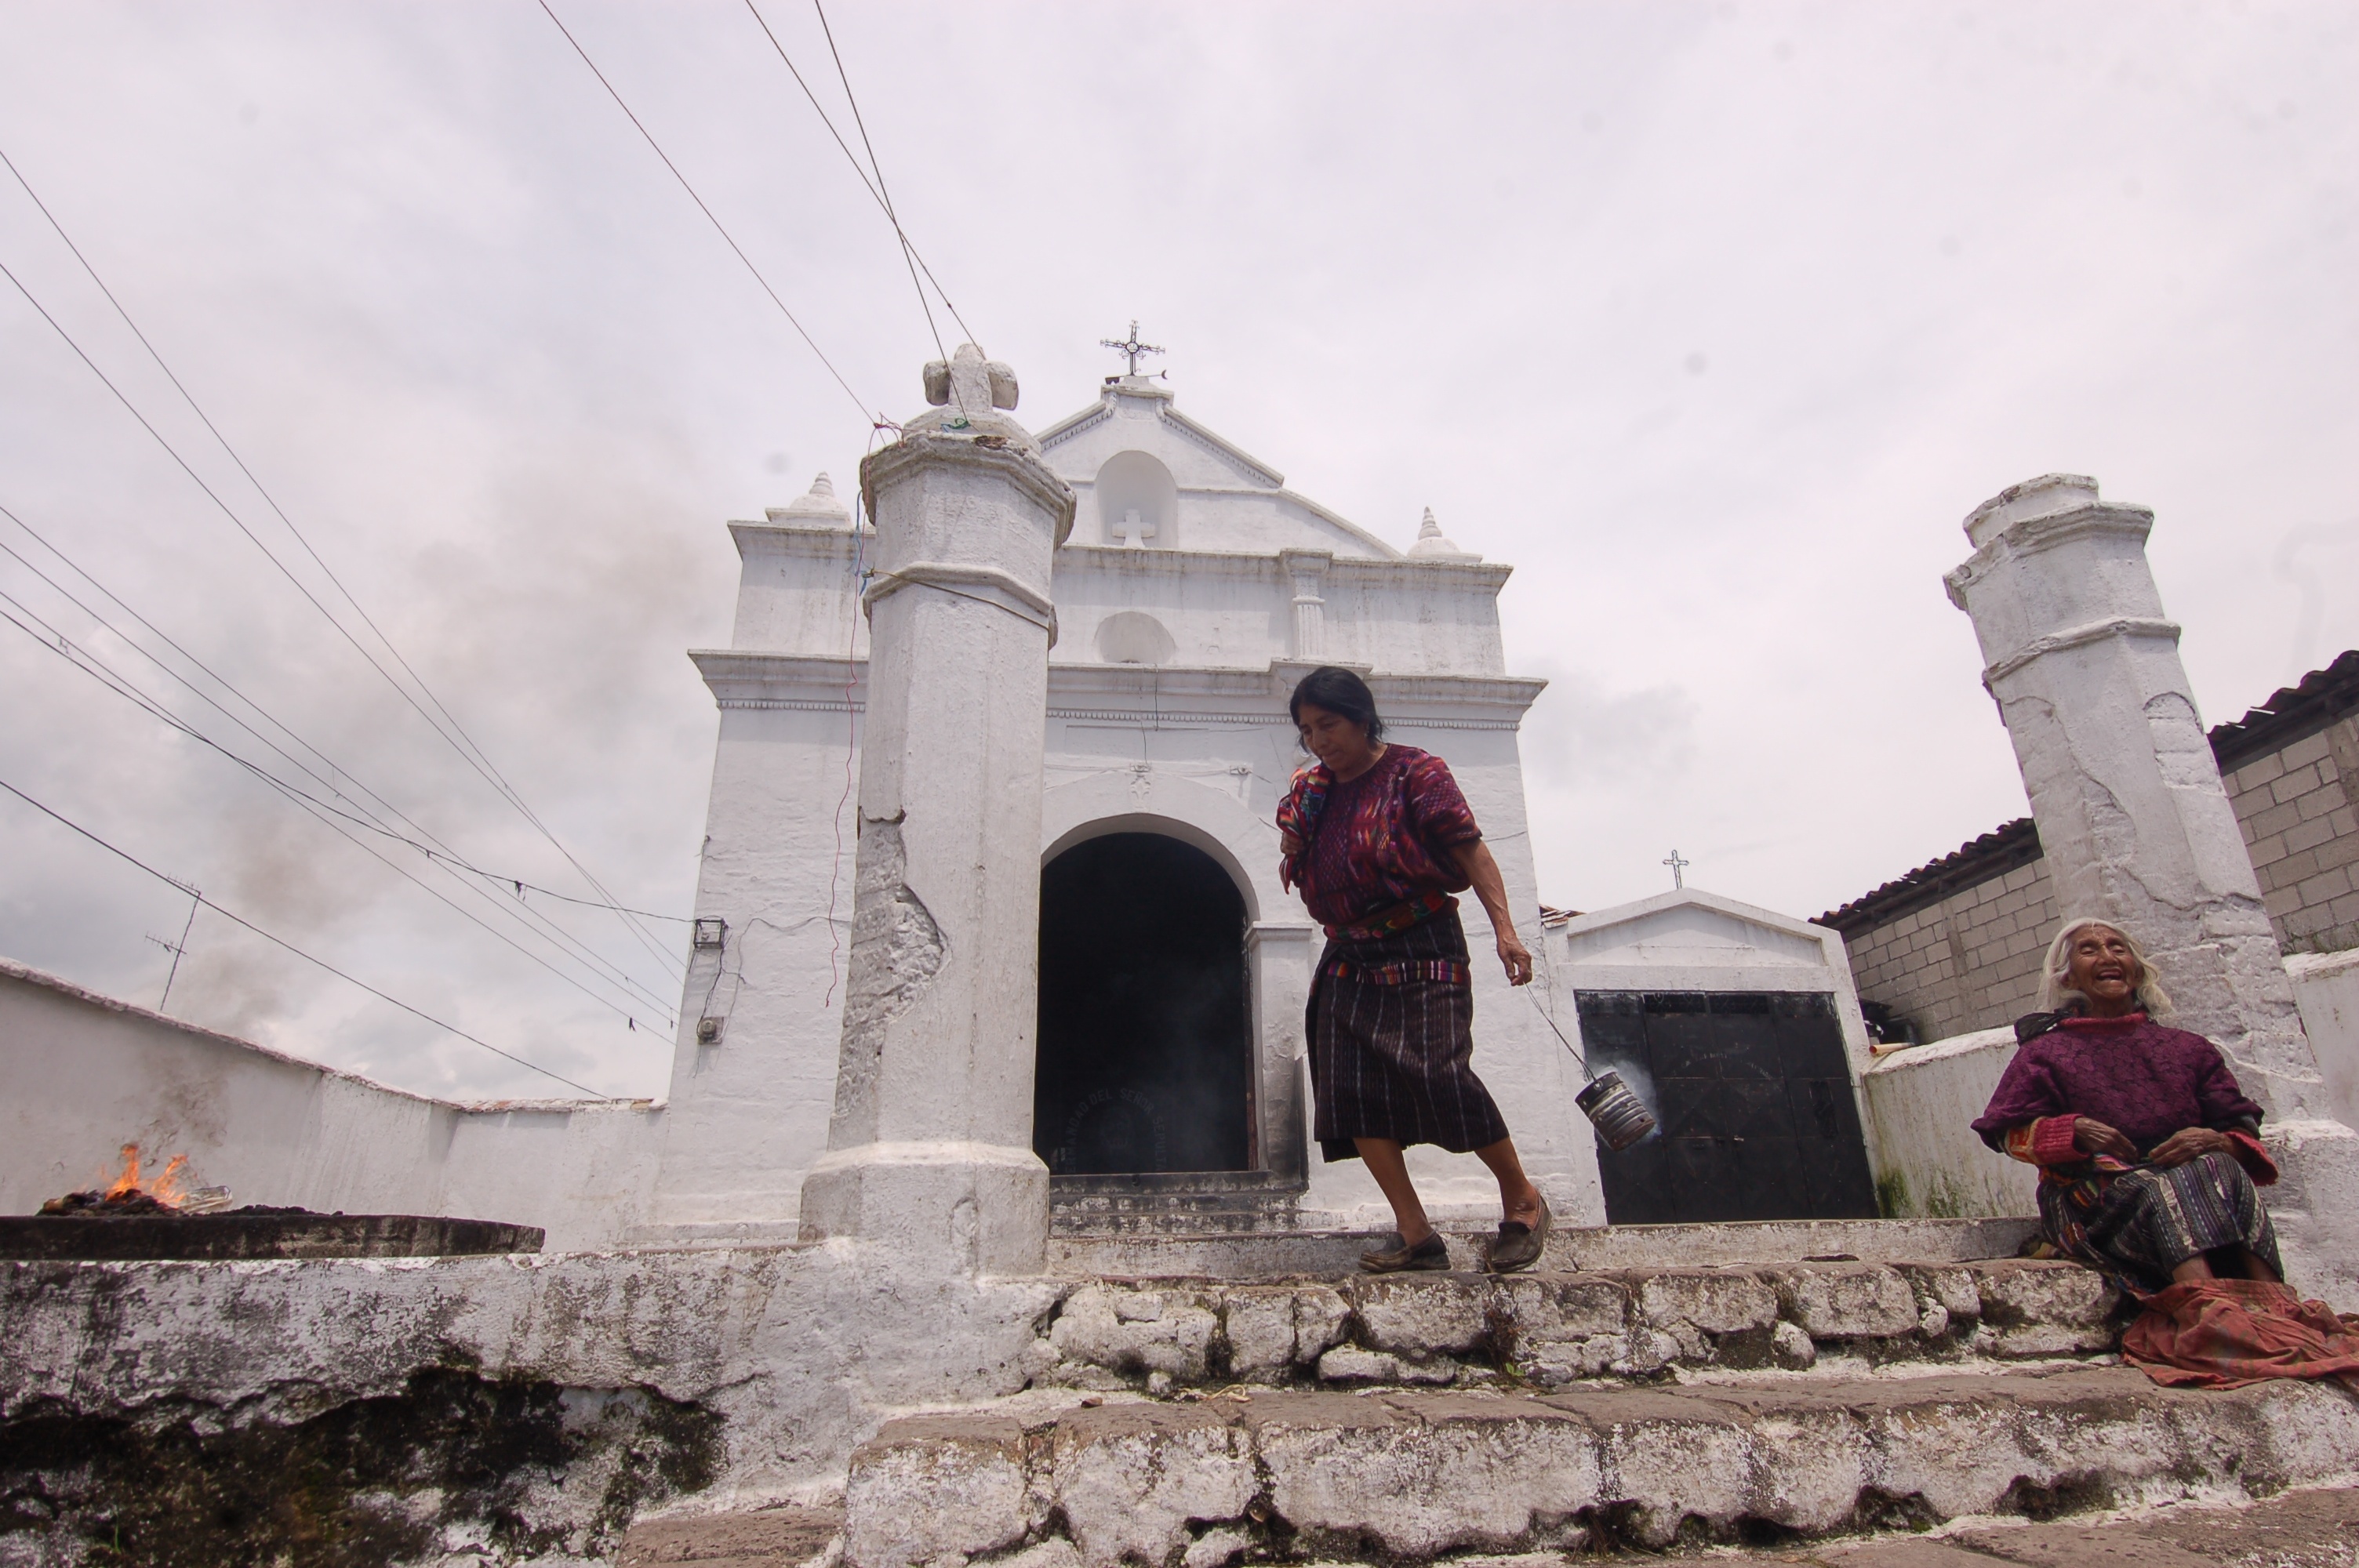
{"x": 2315, "y": 1527}
{"x": 1548, "y": 1329}
{"x": 1133, "y": 1245}
{"x": 1407, "y": 1477}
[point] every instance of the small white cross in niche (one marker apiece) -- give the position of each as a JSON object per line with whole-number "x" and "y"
{"x": 1133, "y": 528}
{"x": 1678, "y": 870}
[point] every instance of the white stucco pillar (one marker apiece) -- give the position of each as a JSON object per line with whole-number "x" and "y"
{"x": 929, "y": 1149}
{"x": 2133, "y": 818}
{"x": 1306, "y": 574}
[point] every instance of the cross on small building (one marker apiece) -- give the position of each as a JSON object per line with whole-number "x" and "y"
{"x": 1133, "y": 347}
{"x": 1678, "y": 870}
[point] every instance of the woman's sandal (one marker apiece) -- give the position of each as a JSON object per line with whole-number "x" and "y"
{"x": 1432, "y": 1253}
{"x": 1518, "y": 1245}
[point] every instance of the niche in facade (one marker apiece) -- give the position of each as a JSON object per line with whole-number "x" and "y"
{"x": 1134, "y": 637}
{"x": 1138, "y": 502}
{"x": 1144, "y": 1044}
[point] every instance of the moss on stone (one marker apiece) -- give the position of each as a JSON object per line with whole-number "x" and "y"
{"x": 523, "y": 1467}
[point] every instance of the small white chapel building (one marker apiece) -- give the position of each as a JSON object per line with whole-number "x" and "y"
{"x": 1170, "y": 1074}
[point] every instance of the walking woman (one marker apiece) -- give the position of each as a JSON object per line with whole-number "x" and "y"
{"x": 1378, "y": 837}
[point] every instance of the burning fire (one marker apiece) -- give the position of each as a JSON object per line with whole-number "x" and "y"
{"x": 166, "y": 1189}
{"x": 117, "y": 1195}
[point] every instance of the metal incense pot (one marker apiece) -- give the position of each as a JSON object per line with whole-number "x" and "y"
{"x": 1612, "y": 1106}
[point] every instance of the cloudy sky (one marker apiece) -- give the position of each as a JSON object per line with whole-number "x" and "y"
{"x": 1714, "y": 319}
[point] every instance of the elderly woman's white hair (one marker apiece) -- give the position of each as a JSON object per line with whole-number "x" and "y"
{"x": 2056, "y": 991}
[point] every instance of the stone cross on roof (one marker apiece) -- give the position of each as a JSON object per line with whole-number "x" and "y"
{"x": 1133, "y": 347}
{"x": 1678, "y": 870}
{"x": 971, "y": 384}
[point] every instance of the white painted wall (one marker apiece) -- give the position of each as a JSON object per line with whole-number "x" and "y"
{"x": 80, "y": 1076}
{"x": 1930, "y": 1163}
{"x": 2326, "y": 989}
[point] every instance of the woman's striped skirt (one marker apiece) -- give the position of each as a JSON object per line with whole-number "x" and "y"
{"x": 1391, "y": 1032}
{"x": 2141, "y": 1224}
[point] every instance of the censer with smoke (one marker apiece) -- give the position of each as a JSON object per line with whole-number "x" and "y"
{"x": 1612, "y": 1106}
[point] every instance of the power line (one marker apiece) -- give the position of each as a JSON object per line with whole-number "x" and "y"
{"x": 463, "y": 744}
{"x": 876, "y": 188}
{"x": 434, "y": 847}
{"x": 878, "y": 170}
{"x": 98, "y": 670}
{"x": 716, "y": 223}
{"x": 873, "y": 187}
{"x": 435, "y": 850}
{"x": 280, "y": 941}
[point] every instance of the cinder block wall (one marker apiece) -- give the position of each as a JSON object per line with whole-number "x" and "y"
{"x": 2295, "y": 807}
{"x": 1969, "y": 962}
{"x": 1955, "y": 947}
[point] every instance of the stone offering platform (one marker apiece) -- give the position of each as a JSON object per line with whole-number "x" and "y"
{"x": 258, "y": 1234}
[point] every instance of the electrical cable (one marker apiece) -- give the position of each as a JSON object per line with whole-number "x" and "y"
{"x": 851, "y": 728}
{"x": 91, "y": 666}
{"x": 482, "y": 766}
{"x": 464, "y": 744}
{"x": 280, "y": 941}
{"x": 909, "y": 256}
{"x": 909, "y": 251}
{"x": 716, "y": 223}
{"x": 436, "y": 851}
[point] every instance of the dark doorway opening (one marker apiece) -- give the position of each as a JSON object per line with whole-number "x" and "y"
{"x": 1753, "y": 1096}
{"x": 1146, "y": 1050}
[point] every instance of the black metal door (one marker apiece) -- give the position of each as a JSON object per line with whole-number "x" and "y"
{"x": 1754, "y": 1099}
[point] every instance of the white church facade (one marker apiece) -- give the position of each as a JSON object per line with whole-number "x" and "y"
{"x": 1194, "y": 590}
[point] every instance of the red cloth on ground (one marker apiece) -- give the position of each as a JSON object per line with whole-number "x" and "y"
{"x": 2224, "y": 1333}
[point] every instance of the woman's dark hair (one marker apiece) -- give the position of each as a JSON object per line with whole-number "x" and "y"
{"x": 1337, "y": 691}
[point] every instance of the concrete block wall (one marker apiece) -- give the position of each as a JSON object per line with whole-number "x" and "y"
{"x": 1968, "y": 962}
{"x": 2299, "y": 811}
{"x": 1970, "y": 958}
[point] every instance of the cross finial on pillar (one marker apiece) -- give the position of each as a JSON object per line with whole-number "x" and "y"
{"x": 1133, "y": 347}
{"x": 1678, "y": 870}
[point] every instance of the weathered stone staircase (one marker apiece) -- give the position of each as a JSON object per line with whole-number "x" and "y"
{"x": 1615, "y": 1399}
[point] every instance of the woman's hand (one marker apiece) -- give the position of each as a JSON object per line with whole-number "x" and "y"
{"x": 2189, "y": 1143}
{"x": 1482, "y": 870}
{"x": 2091, "y": 1136}
{"x": 1515, "y": 957}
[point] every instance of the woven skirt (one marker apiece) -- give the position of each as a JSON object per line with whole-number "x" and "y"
{"x": 2138, "y": 1225}
{"x": 1391, "y": 1031}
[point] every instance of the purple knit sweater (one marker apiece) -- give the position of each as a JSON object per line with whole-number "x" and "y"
{"x": 2138, "y": 1076}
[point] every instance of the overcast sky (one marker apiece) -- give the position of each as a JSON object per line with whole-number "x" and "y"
{"x": 1714, "y": 319}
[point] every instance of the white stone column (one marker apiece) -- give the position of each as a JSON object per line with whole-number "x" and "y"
{"x": 2133, "y": 818}
{"x": 1306, "y": 573}
{"x": 1278, "y": 955}
{"x": 930, "y": 1150}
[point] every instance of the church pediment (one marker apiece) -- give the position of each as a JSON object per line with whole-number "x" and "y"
{"x": 1148, "y": 477}
{"x": 1689, "y": 929}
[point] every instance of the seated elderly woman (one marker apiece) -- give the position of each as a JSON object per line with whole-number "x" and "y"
{"x": 2149, "y": 1164}
{"x": 2148, "y": 1151}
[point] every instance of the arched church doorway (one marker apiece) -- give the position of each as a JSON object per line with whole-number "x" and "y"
{"x": 1145, "y": 1054}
